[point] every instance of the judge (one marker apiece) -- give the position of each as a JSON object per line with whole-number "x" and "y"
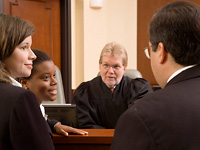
{"x": 102, "y": 100}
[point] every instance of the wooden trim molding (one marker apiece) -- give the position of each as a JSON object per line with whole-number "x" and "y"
{"x": 65, "y": 8}
{"x": 1, "y": 6}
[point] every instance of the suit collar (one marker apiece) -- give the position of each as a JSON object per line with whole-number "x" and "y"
{"x": 179, "y": 71}
{"x": 193, "y": 72}
{"x": 48, "y": 128}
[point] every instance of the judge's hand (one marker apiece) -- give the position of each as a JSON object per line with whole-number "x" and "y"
{"x": 64, "y": 130}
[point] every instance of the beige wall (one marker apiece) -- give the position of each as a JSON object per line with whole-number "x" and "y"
{"x": 93, "y": 28}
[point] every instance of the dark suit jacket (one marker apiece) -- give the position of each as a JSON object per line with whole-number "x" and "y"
{"x": 168, "y": 119}
{"x": 51, "y": 123}
{"x": 22, "y": 126}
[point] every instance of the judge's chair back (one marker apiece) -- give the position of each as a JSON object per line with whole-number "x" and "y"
{"x": 131, "y": 73}
{"x": 60, "y": 98}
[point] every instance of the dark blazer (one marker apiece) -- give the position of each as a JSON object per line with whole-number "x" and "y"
{"x": 51, "y": 123}
{"x": 22, "y": 126}
{"x": 168, "y": 119}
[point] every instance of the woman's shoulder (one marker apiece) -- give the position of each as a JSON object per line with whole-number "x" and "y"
{"x": 11, "y": 91}
{"x": 11, "y": 88}
{"x": 16, "y": 97}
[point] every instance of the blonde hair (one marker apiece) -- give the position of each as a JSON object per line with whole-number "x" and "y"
{"x": 114, "y": 49}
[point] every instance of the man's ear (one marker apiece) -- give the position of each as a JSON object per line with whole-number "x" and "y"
{"x": 162, "y": 53}
{"x": 23, "y": 82}
{"x": 125, "y": 67}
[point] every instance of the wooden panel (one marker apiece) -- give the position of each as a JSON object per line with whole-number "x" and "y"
{"x": 52, "y": 20}
{"x": 1, "y": 6}
{"x": 65, "y": 6}
{"x": 97, "y": 139}
{"x": 45, "y": 15}
{"x": 146, "y": 9}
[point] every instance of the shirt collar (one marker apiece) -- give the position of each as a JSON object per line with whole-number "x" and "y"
{"x": 179, "y": 71}
{"x": 15, "y": 82}
{"x": 43, "y": 112}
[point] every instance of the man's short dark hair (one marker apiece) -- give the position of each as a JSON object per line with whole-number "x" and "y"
{"x": 177, "y": 26}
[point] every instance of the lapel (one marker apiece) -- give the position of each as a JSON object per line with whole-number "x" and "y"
{"x": 48, "y": 128}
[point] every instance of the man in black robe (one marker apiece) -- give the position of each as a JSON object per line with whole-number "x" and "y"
{"x": 101, "y": 101}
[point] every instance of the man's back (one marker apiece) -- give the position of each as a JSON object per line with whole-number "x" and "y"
{"x": 165, "y": 119}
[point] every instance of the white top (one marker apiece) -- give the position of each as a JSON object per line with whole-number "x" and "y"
{"x": 179, "y": 71}
{"x": 43, "y": 112}
{"x": 15, "y": 82}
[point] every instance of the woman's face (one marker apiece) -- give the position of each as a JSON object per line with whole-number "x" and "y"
{"x": 19, "y": 63}
{"x": 43, "y": 82}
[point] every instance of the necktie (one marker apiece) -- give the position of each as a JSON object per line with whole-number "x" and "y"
{"x": 112, "y": 90}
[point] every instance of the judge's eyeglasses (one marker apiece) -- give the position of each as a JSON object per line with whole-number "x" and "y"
{"x": 115, "y": 67}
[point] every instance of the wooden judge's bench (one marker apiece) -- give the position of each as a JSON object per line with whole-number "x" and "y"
{"x": 97, "y": 139}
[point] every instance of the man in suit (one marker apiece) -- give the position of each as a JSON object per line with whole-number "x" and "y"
{"x": 168, "y": 118}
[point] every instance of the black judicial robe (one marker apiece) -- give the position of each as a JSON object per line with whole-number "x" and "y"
{"x": 97, "y": 107}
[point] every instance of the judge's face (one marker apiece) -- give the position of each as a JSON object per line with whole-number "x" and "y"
{"x": 19, "y": 63}
{"x": 112, "y": 70}
{"x": 43, "y": 82}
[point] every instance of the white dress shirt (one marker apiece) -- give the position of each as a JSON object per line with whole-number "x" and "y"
{"x": 15, "y": 82}
{"x": 43, "y": 112}
{"x": 179, "y": 71}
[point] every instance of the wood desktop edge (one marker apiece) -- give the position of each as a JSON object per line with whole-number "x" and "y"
{"x": 95, "y": 136}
